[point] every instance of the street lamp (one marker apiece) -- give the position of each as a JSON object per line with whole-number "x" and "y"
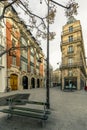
{"x": 71, "y": 8}
{"x": 47, "y": 83}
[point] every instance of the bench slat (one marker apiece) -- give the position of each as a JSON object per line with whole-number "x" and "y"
{"x": 27, "y": 114}
{"x": 26, "y": 101}
{"x": 31, "y": 110}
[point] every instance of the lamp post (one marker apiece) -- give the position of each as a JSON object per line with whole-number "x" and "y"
{"x": 47, "y": 81}
{"x": 71, "y": 8}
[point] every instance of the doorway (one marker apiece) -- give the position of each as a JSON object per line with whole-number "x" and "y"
{"x": 25, "y": 82}
{"x": 38, "y": 83}
{"x": 33, "y": 83}
{"x": 14, "y": 81}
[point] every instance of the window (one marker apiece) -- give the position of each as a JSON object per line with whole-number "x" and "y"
{"x": 1, "y": 50}
{"x": 32, "y": 55}
{"x": 32, "y": 51}
{"x": 32, "y": 69}
{"x": 70, "y": 73}
{"x": 23, "y": 51}
{"x": 70, "y": 38}
{"x": 1, "y": 9}
{"x": 70, "y": 49}
{"x": 37, "y": 71}
{"x": 70, "y": 61}
{"x": 37, "y": 59}
{"x": 24, "y": 66}
{"x": 0, "y": 60}
{"x": 71, "y": 29}
{"x": 13, "y": 43}
{"x": 23, "y": 41}
{"x": 32, "y": 58}
{"x": 37, "y": 63}
{"x": 1, "y": 36}
{"x": 14, "y": 60}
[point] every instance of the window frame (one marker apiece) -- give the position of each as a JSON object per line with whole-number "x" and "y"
{"x": 71, "y": 29}
{"x": 70, "y": 49}
{"x": 70, "y": 38}
{"x": 70, "y": 61}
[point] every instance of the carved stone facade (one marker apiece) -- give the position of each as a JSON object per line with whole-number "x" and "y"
{"x": 22, "y": 67}
{"x": 73, "y": 65}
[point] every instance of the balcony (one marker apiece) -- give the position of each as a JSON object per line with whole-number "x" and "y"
{"x": 78, "y": 28}
{"x": 75, "y": 39}
{"x": 70, "y": 52}
{"x": 71, "y": 65}
{"x": 79, "y": 65}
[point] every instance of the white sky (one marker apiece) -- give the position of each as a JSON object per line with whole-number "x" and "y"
{"x": 60, "y": 20}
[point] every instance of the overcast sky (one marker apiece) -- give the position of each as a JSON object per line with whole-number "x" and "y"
{"x": 60, "y": 20}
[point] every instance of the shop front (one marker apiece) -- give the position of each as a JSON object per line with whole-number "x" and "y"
{"x": 70, "y": 83}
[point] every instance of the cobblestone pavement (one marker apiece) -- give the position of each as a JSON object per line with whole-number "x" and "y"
{"x": 68, "y": 111}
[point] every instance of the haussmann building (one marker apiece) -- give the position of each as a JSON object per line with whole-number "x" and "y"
{"x": 73, "y": 60}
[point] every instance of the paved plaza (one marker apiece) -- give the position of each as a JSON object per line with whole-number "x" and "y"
{"x": 68, "y": 111}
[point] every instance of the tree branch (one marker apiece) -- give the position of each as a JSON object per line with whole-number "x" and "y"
{"x": 2, "y": 16}
{"x": 32, "y": 13}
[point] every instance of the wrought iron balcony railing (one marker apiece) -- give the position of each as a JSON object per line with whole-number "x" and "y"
{"x": 72, "y": 65}
{"x": 75, "y": 39}
{"x": 65, "y": 32}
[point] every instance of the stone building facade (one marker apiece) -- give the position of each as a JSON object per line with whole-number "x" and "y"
{"x": 73, "y": 62}
{"x": 22, "y": 69}
{"x": 56, "y": 78}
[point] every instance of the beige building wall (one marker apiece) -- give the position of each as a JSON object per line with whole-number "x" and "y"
{"x": 73, "y": 65}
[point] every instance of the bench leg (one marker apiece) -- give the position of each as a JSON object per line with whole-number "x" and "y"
{"x": 43, "y": 123}
{"x": 9, "y": 116}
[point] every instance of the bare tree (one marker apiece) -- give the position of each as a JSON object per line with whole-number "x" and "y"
{"x": 33, "y": 24}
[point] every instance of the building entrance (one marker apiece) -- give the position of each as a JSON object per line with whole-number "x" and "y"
{"x": 38, "y": 83}
{"x": 14, "y": 81}
{"x": 33, "y": 83}
{"x": 25, "y": 82}
{"x": 70, "y": 83}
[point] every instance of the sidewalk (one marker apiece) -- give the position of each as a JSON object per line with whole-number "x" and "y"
{"x": 68, "y": 111}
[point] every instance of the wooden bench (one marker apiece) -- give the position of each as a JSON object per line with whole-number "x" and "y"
{"x": 13, "y": 109}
